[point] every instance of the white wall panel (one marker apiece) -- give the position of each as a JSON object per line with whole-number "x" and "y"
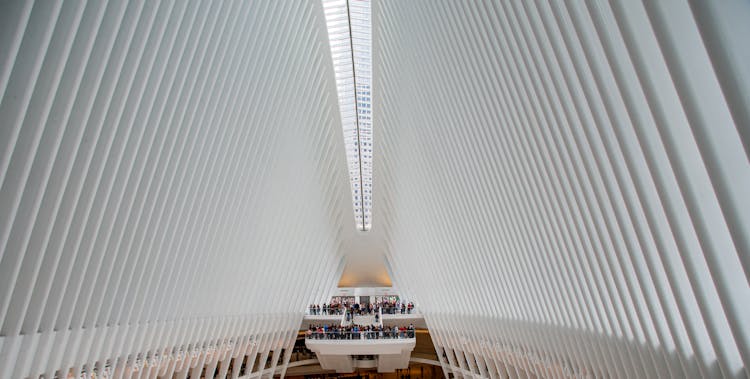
{"x": 566, "y": 182}
{"x": 560, "y": 186}
{"x": 174, "y": 185}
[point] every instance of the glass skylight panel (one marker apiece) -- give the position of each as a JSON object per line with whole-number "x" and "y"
{"x": 349, "y": 34}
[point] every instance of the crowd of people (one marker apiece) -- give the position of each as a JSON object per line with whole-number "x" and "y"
{"x": 326, "y": 309}
{"x": 355, "y": 332}
{"x": 338, "y": 308}
{"x": 396, "y": 307}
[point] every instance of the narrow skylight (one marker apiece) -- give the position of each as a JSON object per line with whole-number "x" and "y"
{"x": 349, "y": 33}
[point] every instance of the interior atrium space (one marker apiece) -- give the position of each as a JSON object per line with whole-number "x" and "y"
{"x": 379, "y": 189}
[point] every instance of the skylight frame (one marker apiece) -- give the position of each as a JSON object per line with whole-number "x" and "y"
{"x": 349, "y": 25}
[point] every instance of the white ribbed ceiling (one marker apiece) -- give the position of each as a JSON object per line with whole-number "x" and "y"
{"x": 562, "y": 187}
{"x": 166, "y": 166}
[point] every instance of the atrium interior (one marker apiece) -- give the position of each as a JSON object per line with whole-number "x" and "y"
{"x": 374, "y": 189}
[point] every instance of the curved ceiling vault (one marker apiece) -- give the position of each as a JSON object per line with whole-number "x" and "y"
{"x": 564, "y": 184}
{"x": 173, "y": 180}
{"x": 561, "y": 186}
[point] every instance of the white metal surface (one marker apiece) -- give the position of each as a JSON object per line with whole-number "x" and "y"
{"x": 564, "y": 184}
{"x": 172, "y": 176}
{"x": 391, "y": 354}
{"x": 561, "y": 186}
